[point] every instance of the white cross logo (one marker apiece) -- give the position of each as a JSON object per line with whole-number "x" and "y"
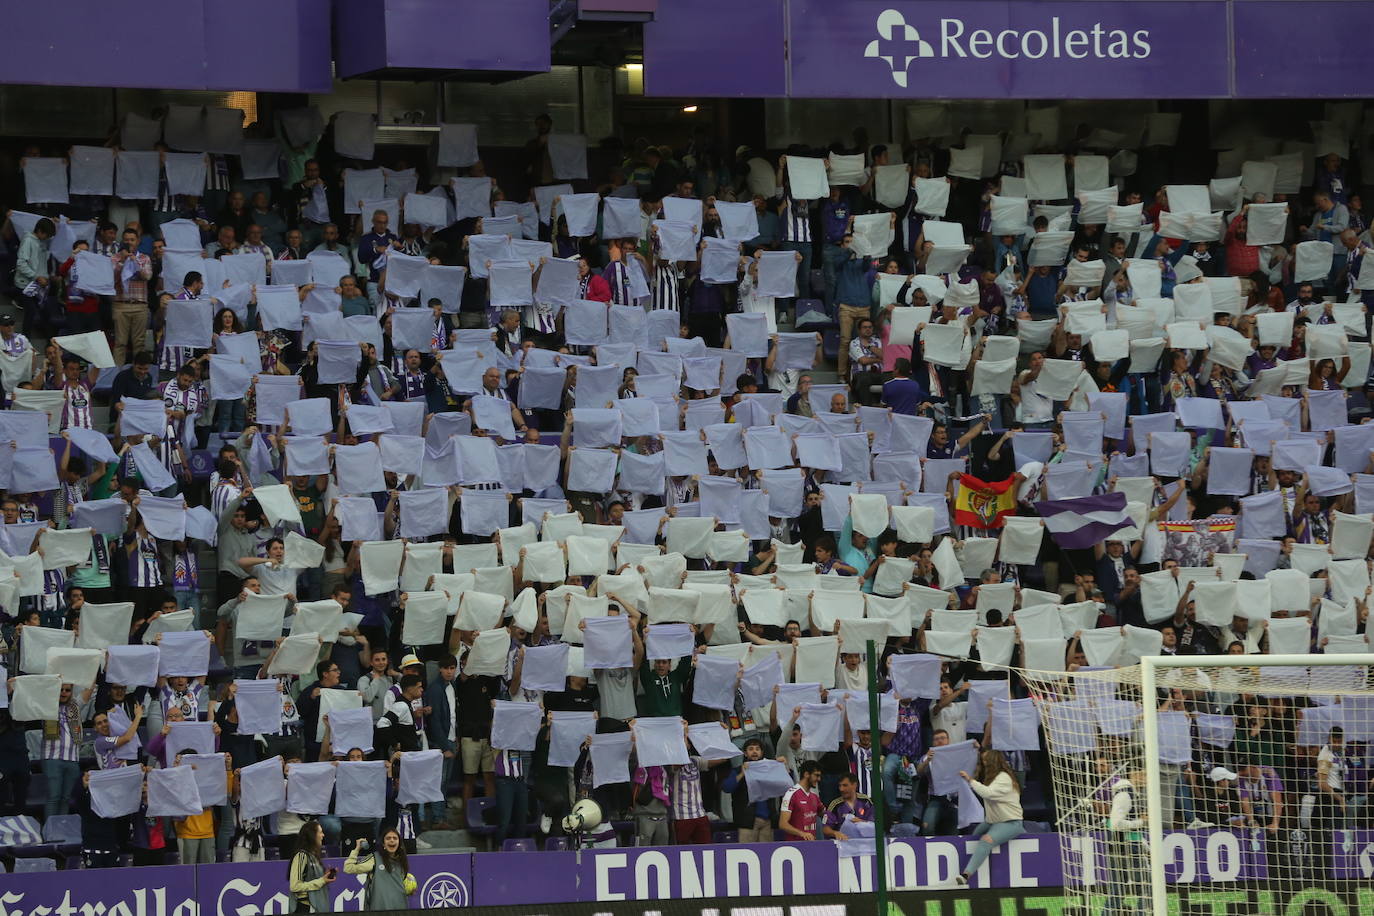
{"x": 897, "y": 43}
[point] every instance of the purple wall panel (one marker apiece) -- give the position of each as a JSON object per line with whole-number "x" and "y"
{"x": 687, "y": 52}
{"x": 442, "y": 35}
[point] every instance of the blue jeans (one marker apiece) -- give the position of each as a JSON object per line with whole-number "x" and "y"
{"x": 940, "y": 817}
{"x": 433, "y": 812}
{"x": 903, "y": 812}
{"x": 996, "y": 835}
{"x": 831, "y": 258}
{"x": 230, "y": 416}
{"x": 62, "y": 776}
{"x": 512, "y": 805}
{"x": 189, "y": 599}
{"x": 224, "y": 834}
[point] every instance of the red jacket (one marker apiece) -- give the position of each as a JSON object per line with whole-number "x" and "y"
{"x": 598, "y": 290}
{"x": 78, "y": 300}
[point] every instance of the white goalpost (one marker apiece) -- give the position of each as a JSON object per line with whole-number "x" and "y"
{"x": 1289, "y": 683}
{"x": 1248, "y": 775}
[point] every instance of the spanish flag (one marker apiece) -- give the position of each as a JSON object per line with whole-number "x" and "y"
{"x": 983, "y": 505}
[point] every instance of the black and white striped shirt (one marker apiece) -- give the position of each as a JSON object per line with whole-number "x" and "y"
{"x": 796, "y": 220}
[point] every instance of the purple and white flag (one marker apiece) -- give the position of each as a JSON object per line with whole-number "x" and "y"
{"x": 1082, "y": 522}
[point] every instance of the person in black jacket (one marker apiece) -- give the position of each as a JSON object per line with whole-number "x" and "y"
{"x": 755, "y": 821}
{"x": 396, "y": 729}
{"x": 441, "y": 727}
{"x": 101, "y": 837}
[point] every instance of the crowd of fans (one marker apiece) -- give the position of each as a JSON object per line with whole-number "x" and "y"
{"x": 589, "y": 424}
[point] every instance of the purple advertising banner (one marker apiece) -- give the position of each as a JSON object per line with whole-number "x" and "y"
{"x": 151, "y": 891}
{"x": 653, "y": 873}
{"x": 1355, "y": 860}
{"x": 1261, "y": 28}
{"x": 1008, "y": 49}
{"x": 787, "y": 869}
{"x": 1018, "y": 49}
{"x": 261, "y": 887}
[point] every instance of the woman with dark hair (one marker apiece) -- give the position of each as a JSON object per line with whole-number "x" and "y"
{"x": 1000, "y": 791}
{"x": 389, "y": 883}
{"x": 230, "y": 414}
{"x": 310, "y": 880}
{"x": 1325, "y": 376}
{"x": 227, "y": 322}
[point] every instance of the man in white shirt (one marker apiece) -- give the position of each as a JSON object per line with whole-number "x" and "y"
{"x": 1125, "y": 853}
{"x": 950, "y": 712}
{"x": 1333, "y": 808}
{"x": 1034, "y": 410}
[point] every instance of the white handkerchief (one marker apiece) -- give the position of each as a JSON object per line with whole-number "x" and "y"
{"x": 172, "y": 792}
{"x": 660, "y": 741}
{"x": 259, "y": 707}
{"x": 278, "y": 503}
{"x": 1045, "y": 177}
{"x": 567, "y": 155}
{"x": 355, "y": 135}
{"x": 381, "y": 565}
{"x": 1265, "y": 223}
{"x": 78, "y": 667}
{"x": 309, "y": 787}
{"x": 262, "y": 788}
{"x": 932, "y": 195}
{"x": 360, "y": 787}
{"x": 71, "y": 547}
{"x": 821, "y": 726}
{"x": 116, "y": 792}
{"x": 873, "y": 234}
{"x": 488, "y": 654}
{"x": 806, "y": 178}
{"x": 457, "y": 145}
{"x": 515, "y": 726}
{"x": 184, "y": 654}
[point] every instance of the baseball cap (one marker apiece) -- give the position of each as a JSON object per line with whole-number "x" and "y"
{"x": 411, "y": 659}
{"x": 6, "y": 318}
{"x": 1220, "y": 773}
{"x": 1121, "y": 785}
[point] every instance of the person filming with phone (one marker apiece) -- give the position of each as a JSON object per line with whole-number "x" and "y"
{"x": 389, "y": 882}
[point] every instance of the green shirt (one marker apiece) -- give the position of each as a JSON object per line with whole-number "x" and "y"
{"x": 310, "y": 501}
{"x": 663, "y": 695}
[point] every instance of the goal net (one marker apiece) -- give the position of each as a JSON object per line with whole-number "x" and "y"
{"x": 1181, "y": 784}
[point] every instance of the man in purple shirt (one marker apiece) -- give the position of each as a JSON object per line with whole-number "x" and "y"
{"x": 836, "y": 216}
{"x": 848, "y": 808}
{"x": 901, "y": 392}
{"x": 372, "y": 251}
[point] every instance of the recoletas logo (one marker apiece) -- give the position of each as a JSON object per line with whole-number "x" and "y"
{"x": 899, "y": 43}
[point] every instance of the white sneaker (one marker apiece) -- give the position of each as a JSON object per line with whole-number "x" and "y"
{"x": 1347, "y": 840}
{"x": 422, "y": 844}
{"x": 545, "y": 824}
